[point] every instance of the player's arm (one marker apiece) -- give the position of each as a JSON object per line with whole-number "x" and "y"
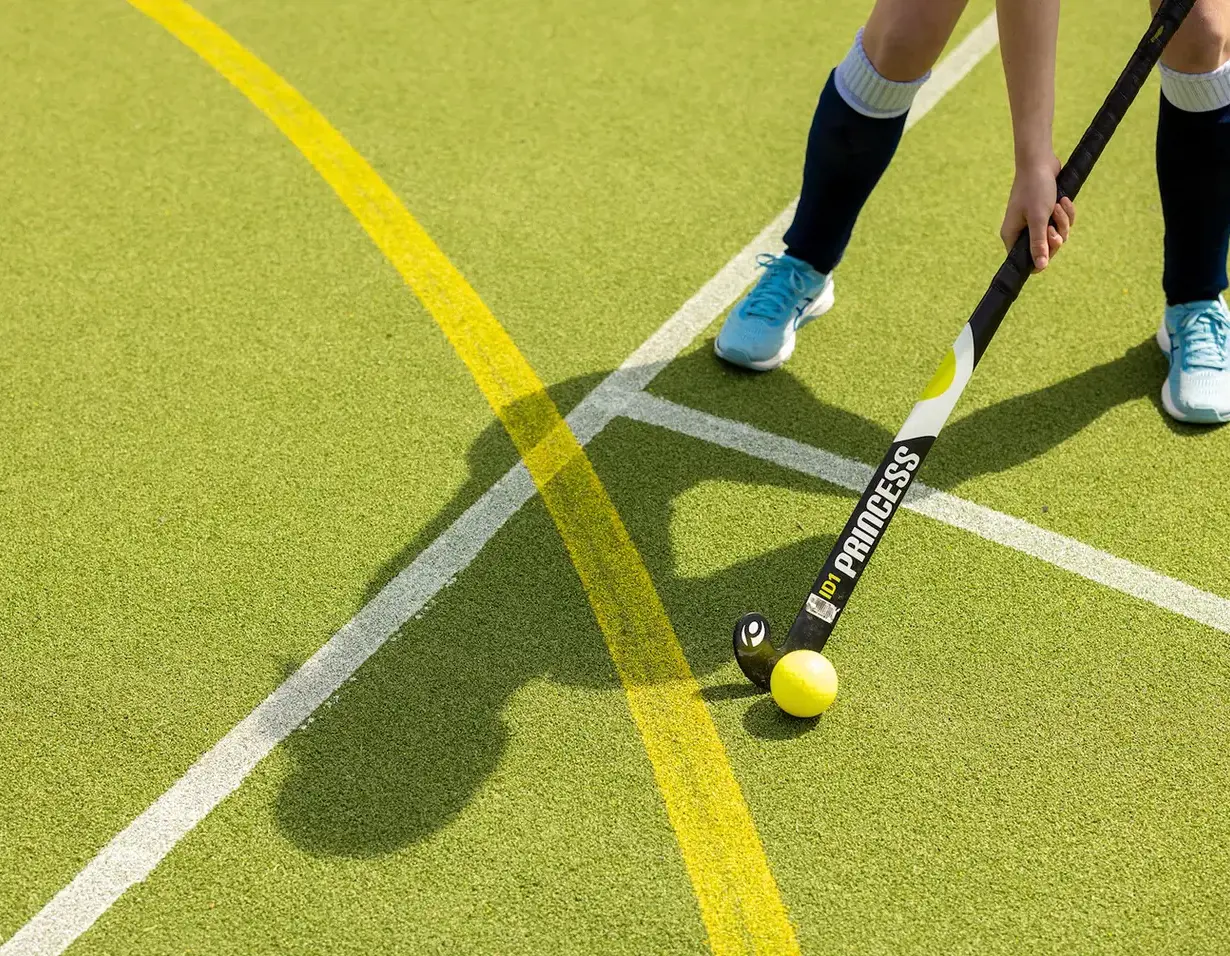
{"x": 1028, "y": 30}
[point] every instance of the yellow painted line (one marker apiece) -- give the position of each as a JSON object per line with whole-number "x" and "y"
{"x": 739, "y": 901}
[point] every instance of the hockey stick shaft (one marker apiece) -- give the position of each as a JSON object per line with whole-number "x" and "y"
{"x": 892, "y": 479}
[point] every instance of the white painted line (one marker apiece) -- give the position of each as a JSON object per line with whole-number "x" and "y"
{"x": 132, "y": 854}
{"x": 1057, "y": 549}
{"x": 738, "y": 436}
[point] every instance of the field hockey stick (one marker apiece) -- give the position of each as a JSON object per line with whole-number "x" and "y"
{"x": 754, "y": 648}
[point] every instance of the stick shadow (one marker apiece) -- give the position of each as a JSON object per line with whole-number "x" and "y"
{"x": 404, "y": 748}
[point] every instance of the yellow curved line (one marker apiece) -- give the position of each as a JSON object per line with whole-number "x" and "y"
{"x": 739, "y": 900}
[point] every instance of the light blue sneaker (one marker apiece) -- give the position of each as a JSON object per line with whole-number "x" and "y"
{"x": 1196, "y": 336}
{"x": 759, "y": 332}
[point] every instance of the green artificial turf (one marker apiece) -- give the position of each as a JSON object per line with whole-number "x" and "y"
{"x": 209, "y": 451}
{"x": 587, "y": 165}
{"x": 1042, "y": 770}
{"x": 479, "y": 785}
{"x": 1017, "y": 758}
{"x": 227, "y": 424}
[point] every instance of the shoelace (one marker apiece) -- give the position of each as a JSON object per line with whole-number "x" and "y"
{"x": 774, "y": 296}
{"x": 1205, "y": 335}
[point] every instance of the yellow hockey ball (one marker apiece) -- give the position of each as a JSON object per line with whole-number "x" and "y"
{"x": 803, "y": 683}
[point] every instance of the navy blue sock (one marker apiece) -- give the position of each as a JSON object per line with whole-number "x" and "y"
{"x": 847, "y": 154}
{"x": 1193, "y": 174}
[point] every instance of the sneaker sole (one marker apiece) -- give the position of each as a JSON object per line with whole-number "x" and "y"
{"x": 1163, "y": 342}
{"x": 824, "y": 302}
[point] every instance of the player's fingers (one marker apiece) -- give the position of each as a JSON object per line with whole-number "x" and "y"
{"x": 1009, "y": 231}
{"x": 1054, "y": 240}
{"x": 1069, "y": 209}
{"x": 1039, "y": 246}
{"x": 1062, "y": 221}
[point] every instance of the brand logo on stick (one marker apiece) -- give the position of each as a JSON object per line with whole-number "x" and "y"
{"x": 870, "y": 521}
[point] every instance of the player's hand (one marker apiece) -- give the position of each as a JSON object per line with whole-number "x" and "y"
{"x": 1031, "y": 204}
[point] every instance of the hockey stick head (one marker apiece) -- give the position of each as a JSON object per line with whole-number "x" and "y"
{"x": 755, "y": 652}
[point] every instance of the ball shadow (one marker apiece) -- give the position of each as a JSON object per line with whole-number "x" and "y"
{"x": 764, "y": 719}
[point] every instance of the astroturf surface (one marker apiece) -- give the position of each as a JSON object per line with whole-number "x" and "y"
{"x": 227, "y": 423}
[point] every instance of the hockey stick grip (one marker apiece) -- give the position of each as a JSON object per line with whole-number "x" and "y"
{"x": 1012, "y": 275}
{"x": 1166, "y": 21}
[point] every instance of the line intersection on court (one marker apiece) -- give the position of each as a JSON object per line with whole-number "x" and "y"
{"x": 621, "y": 394}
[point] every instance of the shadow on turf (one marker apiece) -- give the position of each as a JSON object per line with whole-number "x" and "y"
{"x": 404, "y": 748}
{"x": 764, "y": 719}
{"x": 986, "y": 441}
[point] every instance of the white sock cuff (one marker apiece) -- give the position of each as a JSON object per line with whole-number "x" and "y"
{"x": 1197, "y": 92}
{"x": 869, "y": 93}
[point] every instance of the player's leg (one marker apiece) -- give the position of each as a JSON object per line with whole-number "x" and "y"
{"x": 1193, "y": 172}
{"x": 854, "y": 133}
{"x": 860, "y": 118}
